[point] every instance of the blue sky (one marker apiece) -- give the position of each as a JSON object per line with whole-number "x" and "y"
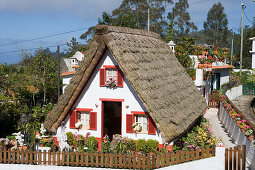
{"x": 28, "y": 19}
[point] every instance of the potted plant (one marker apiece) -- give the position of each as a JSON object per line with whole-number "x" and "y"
{"x": 201, "y": 60}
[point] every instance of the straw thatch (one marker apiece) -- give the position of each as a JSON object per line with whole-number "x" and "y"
{"x": 162, "y": 84}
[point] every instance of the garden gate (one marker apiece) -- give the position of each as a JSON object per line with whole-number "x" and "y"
{"x": 235, "y": 158}
{"x": 249, "y": 89}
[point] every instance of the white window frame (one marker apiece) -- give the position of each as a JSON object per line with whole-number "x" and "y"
{"x": 111, "y": 71}
{"x": 144, "y": 121}
{"x": 84, "y": 118}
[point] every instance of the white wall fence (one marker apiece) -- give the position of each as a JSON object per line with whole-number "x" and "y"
{"x": 213, "y": 163}
{"x": 234, "y": 92}
{"x": 237, "y": 136}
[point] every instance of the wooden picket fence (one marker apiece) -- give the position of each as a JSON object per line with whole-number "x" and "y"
{"x": 235, "y": 158}
{"x": 213, "y": 101}
{"x": 103, "y": 160}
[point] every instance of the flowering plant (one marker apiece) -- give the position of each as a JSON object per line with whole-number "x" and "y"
{"x": 111, "y": 82}
{"x": 137, "y": 127}
{"x": 106, "y": 145}
{"x": 202, "y": 59}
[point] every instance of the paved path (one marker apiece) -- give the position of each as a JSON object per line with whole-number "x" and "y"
{"x": 243, "y": 104}
{"x": 217, "y": 128}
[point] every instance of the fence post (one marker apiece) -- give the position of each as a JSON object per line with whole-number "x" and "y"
{"x": 226, "y": 159}
{"x": 243, "y": 157}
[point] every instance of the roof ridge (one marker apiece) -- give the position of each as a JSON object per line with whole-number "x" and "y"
{"x": 105, "y": 29}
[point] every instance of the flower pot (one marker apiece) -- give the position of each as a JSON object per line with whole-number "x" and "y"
{"x": 205, "y": 65}
{"x": 200, "y": 66}
{"x": 210, "y": 65}
{"x": 251, "y": 138}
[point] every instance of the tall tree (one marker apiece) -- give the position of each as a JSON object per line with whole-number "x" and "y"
{"x": 181, "y": 19}
{"x": 247, "y": 60}
{"x": 170, "y": 31}
{"x": 216, "y": 26}
{"x": 133, "y": 14}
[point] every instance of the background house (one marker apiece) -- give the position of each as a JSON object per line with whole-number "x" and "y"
{"x": 69, "y": 66}
{"x": 253, "y": 52}
{"x": 128, "y": 77}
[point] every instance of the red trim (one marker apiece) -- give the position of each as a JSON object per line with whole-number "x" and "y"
{"x": 56, "y": 140}
{"x": 110, "y": 66}
{"x": 129, "y": 128}
{"x": 111, "y": 100}
{"x": 102, "y": 120}
{"x": 83, "y": 109}
{"x": 102, "y": 77}
{"x": 91, "y": 126}
{"x": 99, "y": 143}
{"x": 139, "y": 113}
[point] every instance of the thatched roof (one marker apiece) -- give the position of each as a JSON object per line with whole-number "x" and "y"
{"x": 162, "y": 84}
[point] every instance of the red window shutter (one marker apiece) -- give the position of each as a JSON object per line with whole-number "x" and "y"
{"x": 120, "y": 79}
{"x": 129, "y": 123}
{"x": 102, "y": 76}
{"x": 72, "y": 119}
{"x": 93, "y": 121}
{"x": 151, "y": 126}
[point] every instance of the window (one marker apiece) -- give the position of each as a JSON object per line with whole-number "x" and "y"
{"x": 84, "y": 118}
{"x": 110, "y": 76}
{"x": 87, "y": 118}
{"x": 142, "y": 120}
{"x": 111, "y": 73}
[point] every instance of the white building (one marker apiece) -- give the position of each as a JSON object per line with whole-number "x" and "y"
{"x": 72, "y": 64}
{"x": 253, "y": 52}
{"x": 129, "y": 77}
{"x": 218, "y": 75}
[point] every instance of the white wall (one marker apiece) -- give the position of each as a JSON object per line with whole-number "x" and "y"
{"x": 224, "y": 76}
{"x": 66, "y": 81}
{"x": 234, "y": 92}
{"x": 213, "y": 163}
{"x": 237, "y": 136}
{"x": 89, "y": 98}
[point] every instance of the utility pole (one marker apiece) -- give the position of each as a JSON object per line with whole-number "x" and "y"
{"x": 58, "y": 71}
{"x": 232, "y": 44}
{"x": 148, "y": 19}
{"x": 241, "y": 51}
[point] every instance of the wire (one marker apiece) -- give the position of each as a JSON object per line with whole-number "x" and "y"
{"x": 15, "y": 51}
{"x": 247, "y": 18}
{"x": 43, "y": 37}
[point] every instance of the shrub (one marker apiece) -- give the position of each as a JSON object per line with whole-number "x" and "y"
{"x": 141, "y": 145}
{"x": 131, "y": 145}
{"x": 70, "y": 139}
{"x": 106, "y": 145}
{"x": 152, "y": 146}
{"x": 91, "y": 143}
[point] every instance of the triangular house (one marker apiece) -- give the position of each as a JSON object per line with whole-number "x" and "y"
{"x": 152, "y": 89}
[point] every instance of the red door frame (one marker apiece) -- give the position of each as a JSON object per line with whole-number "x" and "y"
{"x": 102, "y": 113}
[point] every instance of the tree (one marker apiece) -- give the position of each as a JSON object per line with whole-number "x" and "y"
{"x": 216, "y": 26}
{"x": 43, "y": 73}
{"x": 247, "y": 59}
{"x": 181, "y": 19}
{"x": 74, "y": 46}
{"x": 133, "y": 14}
{"x": 184, "y": 47}
{"x": 170, "y": 31}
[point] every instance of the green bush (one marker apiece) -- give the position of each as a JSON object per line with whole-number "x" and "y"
{"x": 152, "y": 146}
{"x": 131, "y": 145}
{"x": 91, "y": 143}
{"x": 70, "y": 139}
{"x": 141, "y": 145}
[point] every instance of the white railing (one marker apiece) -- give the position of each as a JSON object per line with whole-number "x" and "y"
{"x": 237, "y": 136}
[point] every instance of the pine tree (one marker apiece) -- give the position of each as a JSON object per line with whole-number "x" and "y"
{"x": 216, "y": 26}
